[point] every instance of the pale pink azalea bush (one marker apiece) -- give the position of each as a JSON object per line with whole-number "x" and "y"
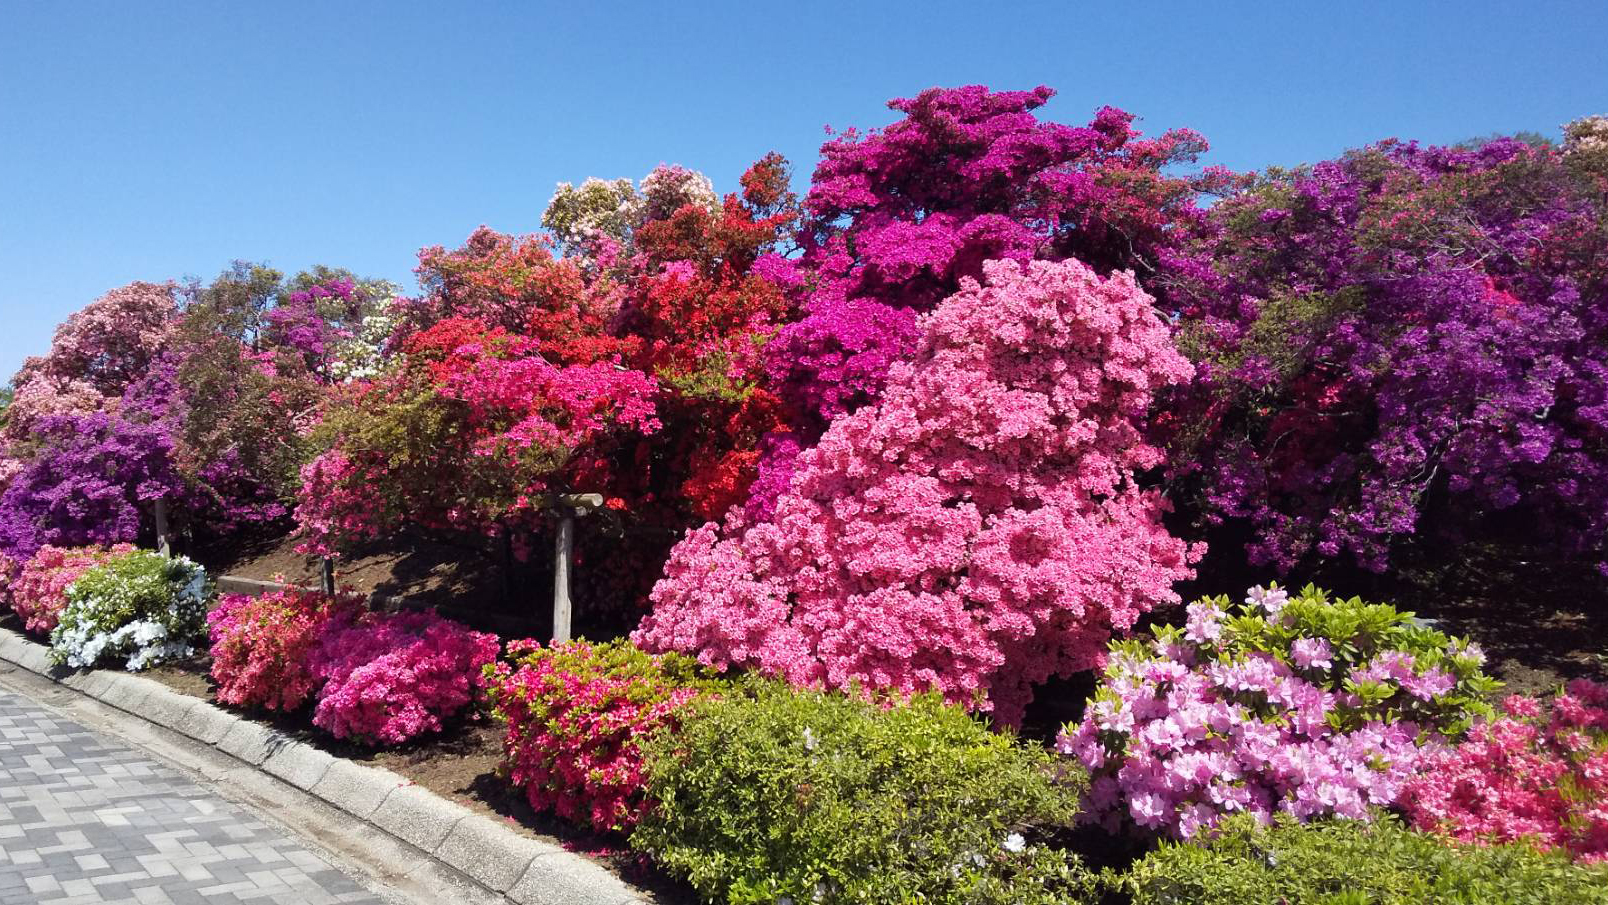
{"x": 39, "y": 591}
{"x": 977, "y": 530}
{"x": 263, "y": 647}
{"x": 389, "y": 677}
{"x": 1301, "y": 705}
{"x": 1538, "y": 772}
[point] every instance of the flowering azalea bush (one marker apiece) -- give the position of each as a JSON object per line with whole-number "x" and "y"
{"x": 38, "y": 588}
{"x": 1403, "y": 342}
{"x": 577, "y": 715}
{"x": 977, "y": 530}
{"x": 139, "y": 607}
{"x": 263, "y": 646}
{"x": 1303, "y": 705}
{"x": 1538, "y": 772}
{"x": 389, "y": 677}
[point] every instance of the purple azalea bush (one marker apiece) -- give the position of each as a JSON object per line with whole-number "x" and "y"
{"x": 1302, "y": 705}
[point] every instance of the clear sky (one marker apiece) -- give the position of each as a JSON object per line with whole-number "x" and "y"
{"x": 147, "y": 140}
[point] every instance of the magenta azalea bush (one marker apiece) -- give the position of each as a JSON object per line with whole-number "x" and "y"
{"x": 263, "y": 647}
{"x": 1302, "y": 705}
{"x": 1537, "y": 772}
{"x": 390, "y": 677}
{"x": 577, "y": 715}
{"x": 38, "y": 588}
{"x": 977, "y": 530}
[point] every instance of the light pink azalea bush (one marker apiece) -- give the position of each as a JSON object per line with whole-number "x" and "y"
{"x": 1305, "y": 705}
{"x": 392, "y": 676}
{"x": 39, "y": 590}
{"x": 1537, "y": 772}
{"x": 977, "y": 530}
{"x": 263, "y": 647}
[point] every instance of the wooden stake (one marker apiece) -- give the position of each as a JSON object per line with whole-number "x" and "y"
{"x": 327, "y": 576}
{"x": 164, "y": 544}
{"x": 561, "y": 576}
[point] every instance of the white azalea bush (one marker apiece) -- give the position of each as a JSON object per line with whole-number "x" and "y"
{"x": 140, "y": 608}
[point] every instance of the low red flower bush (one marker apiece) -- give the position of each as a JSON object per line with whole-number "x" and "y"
{"x": 1537, "y": 772}
{"x": 39, "y": 591}
{"x": 577, "y": 714}
{"x": 263, "y": 647}
{"x": 392, "y": 676}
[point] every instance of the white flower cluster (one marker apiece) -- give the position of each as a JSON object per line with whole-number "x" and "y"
{"x": 361, "y": 357}
{"x": 141, "y": 607}
{"x": 1586, "y": 139}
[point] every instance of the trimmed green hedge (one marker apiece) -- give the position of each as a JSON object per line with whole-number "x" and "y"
{"x": 776, "y": 795}
{"x": 1351, "y": 863}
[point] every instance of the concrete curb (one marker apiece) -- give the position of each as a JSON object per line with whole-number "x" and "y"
{"x": 521, "y": 870}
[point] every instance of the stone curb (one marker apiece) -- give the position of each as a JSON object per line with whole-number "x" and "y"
{"x": 524, "y": 871}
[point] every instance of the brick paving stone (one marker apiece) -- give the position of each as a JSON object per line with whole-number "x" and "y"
{"x": 84, "y": 820}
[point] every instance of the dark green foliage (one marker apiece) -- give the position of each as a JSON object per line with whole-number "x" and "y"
{"x": 1353, "y": 863}
{"x": 780, "y": 794}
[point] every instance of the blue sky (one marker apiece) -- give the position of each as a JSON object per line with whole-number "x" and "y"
{"x": 157, "y": 140}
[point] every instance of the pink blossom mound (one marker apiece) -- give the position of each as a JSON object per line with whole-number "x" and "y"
{"x": 1258, "y": 712}
{"x": 39, "y": 591}
{"x": 391, "y": 677}
{"x": 1536, "y": 772}
{"x": 263, "y": 647}
{"x": 975, "y": 531}
{"x": 576, "y": 715}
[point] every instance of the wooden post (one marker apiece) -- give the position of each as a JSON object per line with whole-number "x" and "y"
{"x": 568, "y": 507}
{"x": 164, "y": 544}
{"x": 561, "y": 575}
{"x": 327, "y": 576}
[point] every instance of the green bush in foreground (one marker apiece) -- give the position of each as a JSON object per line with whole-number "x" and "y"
{"x": 788, "y": 796}
{"x": 1353, "y": 863}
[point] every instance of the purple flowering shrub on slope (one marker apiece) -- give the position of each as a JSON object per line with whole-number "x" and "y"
{"x": 977, "y": 530}
{"x": 1303, "y": 705}
{"x": 1402, "y": 341}
{"x": 92, "y": 482}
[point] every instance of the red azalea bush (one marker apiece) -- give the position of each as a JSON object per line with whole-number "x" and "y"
{"x": 976, "y": 531}
{"x": 577, "y": 714}
{"x": 392, "y": 676}
{"x": 1538, "y": 772}
{"x": 263, "y": 647}
{"x": 39, "y": 591}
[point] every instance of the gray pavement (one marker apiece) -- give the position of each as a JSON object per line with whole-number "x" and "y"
{"x": 85, "y": 819}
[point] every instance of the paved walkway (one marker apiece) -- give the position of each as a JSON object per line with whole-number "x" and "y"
{"x": 84, "y": 821}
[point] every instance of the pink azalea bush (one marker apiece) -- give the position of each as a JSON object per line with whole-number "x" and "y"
{"x": 263, "y": 647}
{"x": 1536, "y": 772}
{"x": 577, "y": 715}
{"x": 1300, "y": 705}
{"x": 39, "y": 590}
{"x": 392, "y": 676}
{"x": 977, "y": 530}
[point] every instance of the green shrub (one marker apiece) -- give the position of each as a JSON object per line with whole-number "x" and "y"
{"x": 777, "y": 795}
{"x": 140, "y": 607}
{"x": 1353, "y": 863}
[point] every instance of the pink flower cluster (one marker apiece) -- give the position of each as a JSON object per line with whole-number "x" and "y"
{"x": 975, "y": 531}
{"x": 39, "y": 590}
{"x": 1536, "y": 772}
{"x": 391, "y": 677}
{"x": 1213, "y": 719}
{"x": 575, "y": 716}
{"x": 263, "y": 647}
